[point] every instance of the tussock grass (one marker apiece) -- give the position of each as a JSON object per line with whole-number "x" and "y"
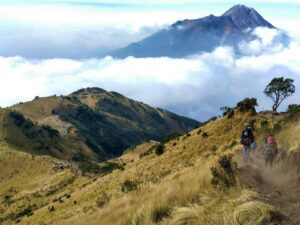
{"x": 173, "y": 188}
{"x": 234, "y": 207}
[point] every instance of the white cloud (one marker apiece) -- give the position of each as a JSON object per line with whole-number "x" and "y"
{"x": 87, "y": 30}
{"x": 197, "y": 86}
{"x": 267, "y": 41}
{"x": 166, "y": 1}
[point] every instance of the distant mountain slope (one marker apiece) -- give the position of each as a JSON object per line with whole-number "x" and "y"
{"x": 190, "y": 37}
{"x": 89, "y": 124}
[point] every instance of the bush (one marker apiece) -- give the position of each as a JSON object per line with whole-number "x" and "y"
{"x": 51, "y": 209}
{"x": 128, "y": 186}
{"x": 293, "y": 111}
{"x": 214, "y": 150}
{"x": 158, "y": 213}
{"x": 277, "y": 128}
{"x": 28, "y": 211}
{"x": 171, "y": 136}
{"x": 264, "y": 124}
{"x": 102, "y": 200}
{"x": 51, "y": 131}
{"x": 159, "y": 149}
{"x": 227, "y": 111}
{"x": 7, "y": 199}
{"x": 103, "y": 168}
{"x": 205, "y": 135}
{"x": 88, "y": 167}
{"x": 108, "y": 167}
{"x": 224, "y": 174}
{"x": 232, "y": 144}
{"x": 247, "y": 105}
{"x": 19, "y": 119}
{"x": 214, "y": 118}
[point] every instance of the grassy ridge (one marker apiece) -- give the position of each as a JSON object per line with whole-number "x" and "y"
{"x": 173, "y": 188}
{"x": 93, "y": 125}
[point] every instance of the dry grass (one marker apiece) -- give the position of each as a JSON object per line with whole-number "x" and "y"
{"x": 174, "y": 188}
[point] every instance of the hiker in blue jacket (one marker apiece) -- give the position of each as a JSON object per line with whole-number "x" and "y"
{"x": 247, "y": 138}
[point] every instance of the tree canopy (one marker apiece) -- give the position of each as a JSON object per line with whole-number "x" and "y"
{"x": 279, "y": 89}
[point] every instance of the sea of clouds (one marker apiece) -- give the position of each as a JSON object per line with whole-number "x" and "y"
{"x": 196, "y": 86}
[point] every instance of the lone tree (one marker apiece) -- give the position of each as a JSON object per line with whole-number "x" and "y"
{"x": 278, "y": 90}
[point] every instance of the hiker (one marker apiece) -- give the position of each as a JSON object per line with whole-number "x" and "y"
{"x": 246, "y": 140}
{"x": 270, "y": 150}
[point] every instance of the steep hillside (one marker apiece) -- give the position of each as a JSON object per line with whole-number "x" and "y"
{"x": 173, "y": 187}
{"x": 89, "y": 124}
{"x": 189, "y": 37}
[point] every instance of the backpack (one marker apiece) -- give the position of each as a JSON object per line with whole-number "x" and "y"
{"x": 270, "y": 149}
{"x": 247, "y": 137}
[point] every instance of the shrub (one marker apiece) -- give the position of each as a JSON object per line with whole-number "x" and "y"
{"x": 277, "y": 128}
{"x": 205, "y": 135}
{"x": 108, "y": 167}
{"x": 88, "y": 167}
{"x": 227, "y": 111}
{"x": 159, "y": 212}
{"x": 171, "y": 136}
{"x": 230, "y": 114}
{"x": 103, "y": 168}
{"x": 51, "y": 208}
{"x": 224, "y": 174}
{"x": 264, "y": 124}
{"x": 213, "y": 118}
{"x": 293, "y": 111}
{"x": 232, "y": 144}
{"x": 247, "y": 105}
{"x": 128, "y": 186}
{"x": 28, "y": 211}
{"x": 214, "y": 150}
{"x": 275, "y": 217}
{"x": 19, "y": 119}
{"x": 159, "y": 149}
{"x": 102, "y": 200}
{"x": 51, "y": 131}
{"x": 7, "y": 199}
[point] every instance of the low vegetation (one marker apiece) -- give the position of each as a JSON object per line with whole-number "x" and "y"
{"x": 99, "y": 168}
{"x": 128, "y": 186}
{"x": 247, "y": 105}
{"x": 224, "y": 174}
{"x": 194, "y": 180}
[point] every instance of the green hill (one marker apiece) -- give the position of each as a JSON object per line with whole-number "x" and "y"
{"x": 89, "y": 124}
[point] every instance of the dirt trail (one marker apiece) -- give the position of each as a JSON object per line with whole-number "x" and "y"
{"x": 277, "y": 186}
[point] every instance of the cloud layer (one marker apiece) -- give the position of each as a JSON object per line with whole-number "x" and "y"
{"x": 83, "y": 29}
{"x": 196, "y": 87}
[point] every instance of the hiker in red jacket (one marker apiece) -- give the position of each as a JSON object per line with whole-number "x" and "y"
{"x": 270, "y": 150}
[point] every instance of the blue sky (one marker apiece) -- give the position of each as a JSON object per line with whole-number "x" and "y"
{"x": 53, "y": 47}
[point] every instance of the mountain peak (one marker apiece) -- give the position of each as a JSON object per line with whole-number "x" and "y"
{"x": 89, "y": 90}
{"x": 189, "y": 37}
{"x": 245, "y": 17}
{"x": 238, "y": 9}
